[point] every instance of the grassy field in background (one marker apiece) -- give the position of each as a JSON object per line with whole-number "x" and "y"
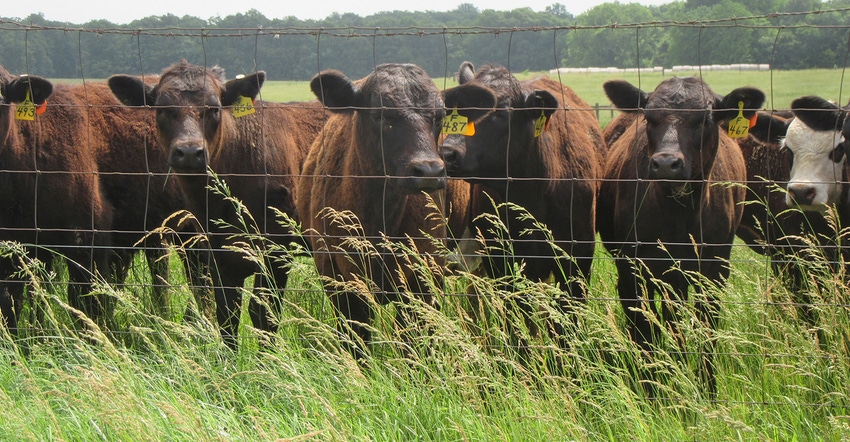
{"x": 168, "y": 377}
{"x": 781, "y": 87}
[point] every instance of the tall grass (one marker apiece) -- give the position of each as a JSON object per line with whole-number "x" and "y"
{"x": 462, "y": 376}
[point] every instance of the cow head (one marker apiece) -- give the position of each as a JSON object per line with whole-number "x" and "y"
{"x": 503, "y": 137}
{"x": 682, "y": 117}
{"x": 189, "y": 102}
{"x": 818, "y": 138}
{"x": 398, "y": 113}
{"x": 14, "y": 89}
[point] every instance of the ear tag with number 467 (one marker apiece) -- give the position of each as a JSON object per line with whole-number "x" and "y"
{"x": 455, "y": 124}
{"x": 540, "y": 124}
{"x": 26, "y": 110}
{"x": 740, "y": 126}
{"x": 244, "y": 106}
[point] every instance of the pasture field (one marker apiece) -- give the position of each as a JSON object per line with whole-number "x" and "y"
{"x": 781, "y": 87}
{"x": 156, "y": 376}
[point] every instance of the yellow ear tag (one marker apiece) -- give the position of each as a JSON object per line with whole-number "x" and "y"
{"x": 455, "y": 124}
{"x": 740, "y": 126}
{"x": 26, "y": 109}
{"x": 244, "y": 106}
{"x": 540, "y": 124}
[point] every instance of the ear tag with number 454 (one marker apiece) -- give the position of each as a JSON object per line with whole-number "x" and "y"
{"x": 244, "y": 106}
{"x": 455, "y": 124}
{"x": 740, "y": 126}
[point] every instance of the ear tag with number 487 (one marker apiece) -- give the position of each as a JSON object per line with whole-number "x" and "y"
{"x": 26, "y": 110}
{"x": 740, "y": 126}
{"x": 243, "y": 106}
{"x": 455, "y": 124}
{"x": 540, "y": 124}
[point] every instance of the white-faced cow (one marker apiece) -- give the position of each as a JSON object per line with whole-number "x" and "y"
{"x": 258, "y": 156}
{"x": 666, "y": 208}
{"x": 541, "y": 150}
{"x": 819, "y": 140}
{"x": 781, "y": 217}
{"x": 375, "y": 161}
{"x": 50, "y": 194}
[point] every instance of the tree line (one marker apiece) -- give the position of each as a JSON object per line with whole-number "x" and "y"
{"x": 787, "y": 34}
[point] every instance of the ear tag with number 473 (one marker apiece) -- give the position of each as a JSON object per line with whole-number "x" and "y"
{"x": 540, "y": 124}
{"x": 740, "y": 126}
{"x": 455, "y": 124}
{"x": 243, "y": 106}
{"x": 26, "y": 110}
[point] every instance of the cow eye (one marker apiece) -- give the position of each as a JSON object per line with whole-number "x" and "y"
{"x": 837, "y": 154}
{"x": 211, "y": 112}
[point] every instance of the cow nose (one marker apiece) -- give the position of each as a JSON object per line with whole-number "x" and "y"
{"x": 802, "y": 194}
{"x": 428, "y": 175}
{"x": 450, "y": 156}
{"x": 188, "y": 158}
{"x": 666, "y": 166}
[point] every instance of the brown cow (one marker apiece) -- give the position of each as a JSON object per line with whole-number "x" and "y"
{"x": 51, "y": 196}
{"x": 375, "y": 159}
{"x": 258, "y": 157}
{"x": 664, "y": 212}
{"x": 553, "y": 176}
{"x": 133, "y": 178}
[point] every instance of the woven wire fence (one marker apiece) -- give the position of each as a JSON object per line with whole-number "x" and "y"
{"x": 305, "y": 51}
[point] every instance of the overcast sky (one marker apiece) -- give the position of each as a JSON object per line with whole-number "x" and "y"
{"x": 121, "y": 12}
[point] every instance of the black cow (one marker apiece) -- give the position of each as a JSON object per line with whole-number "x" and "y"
{"x": 666, "y": 210}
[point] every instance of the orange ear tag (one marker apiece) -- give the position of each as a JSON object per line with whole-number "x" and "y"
{"x": 41, "y": 108}
{"x": 753, "y": 120}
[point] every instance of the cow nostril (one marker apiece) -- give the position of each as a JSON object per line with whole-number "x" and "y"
{"x": 676, "y": 164}
{"x": 810, "y": 194}
{"x": 449, "y": 155}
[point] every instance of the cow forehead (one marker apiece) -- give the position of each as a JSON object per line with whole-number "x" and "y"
{"x": 402, "y": 86}
{"x": 189, "y": 80}
{"x": 805, "y": 141}
{"x": 681, "y": 93}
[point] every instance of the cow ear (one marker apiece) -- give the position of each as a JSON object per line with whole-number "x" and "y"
{"x": 471, "y": 100}
{"x": 817, "y": 113}
{"x": 131, "y": 91}
{"x": 625, "y": 96}
{"x": 540, "y": 100}
{"x": 16, "y": 90}
{"x": 726, "y": 108}
{"x": 242, "y": 86}
{"x": 768, "y": 128}
{"x": 466, "y": 72}
{"x": 335, "y": 90}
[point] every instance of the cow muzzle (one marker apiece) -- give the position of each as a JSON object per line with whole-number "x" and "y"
{"x": 425, "y": 176}
{"x": 667, "y": 166}
{"x": 188, "y": 158}
{"x": 806, "y": 196}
